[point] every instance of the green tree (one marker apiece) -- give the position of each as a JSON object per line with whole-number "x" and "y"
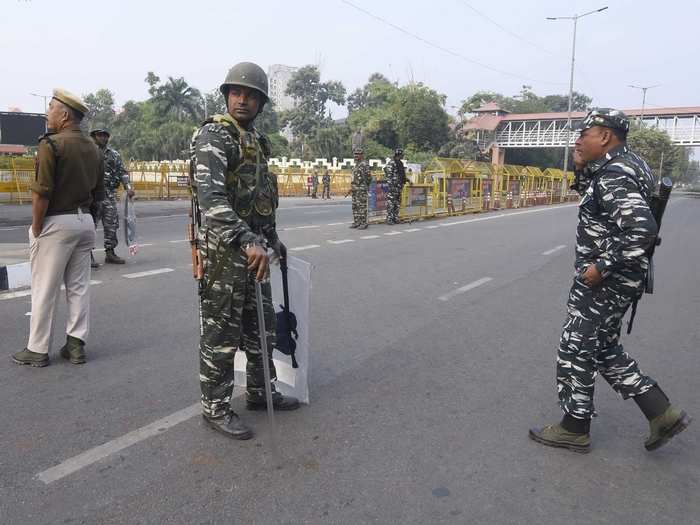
{"x": 312, "y": 97}
{"x": 100, "y": 106}
{"x": 176, "y": 97}
{"x": 216, "y": 105}
{"x": 652, "y": 145}
{"x": 421, "y": 120}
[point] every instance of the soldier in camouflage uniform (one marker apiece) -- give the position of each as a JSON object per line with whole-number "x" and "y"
{"x": 238, "y": 198}
{"x": 359, "y": 186}
{"x": 326, "y": 181}
{"x": 615, "y": 230}
{"x": 115, "y": 175}
{"x": 395, "y": 176}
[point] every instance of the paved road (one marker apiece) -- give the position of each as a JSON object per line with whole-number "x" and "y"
{"x": 433, "y": 352}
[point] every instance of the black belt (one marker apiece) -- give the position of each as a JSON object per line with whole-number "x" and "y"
{"x": 68, "y": 212}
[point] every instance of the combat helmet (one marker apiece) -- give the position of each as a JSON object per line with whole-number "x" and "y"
{"x": 95, "y": 131}
{"x": 249, "y": 75}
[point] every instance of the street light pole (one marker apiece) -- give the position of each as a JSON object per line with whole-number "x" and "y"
{"x": 41, "y": 96}
{"x": 644, "y": 98}
{"x": 571, "y": 79}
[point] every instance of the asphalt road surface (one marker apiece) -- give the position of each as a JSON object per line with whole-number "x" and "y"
{"x": 433, "y": 351}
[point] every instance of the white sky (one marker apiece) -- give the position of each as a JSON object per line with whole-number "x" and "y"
{"x": 85, "y": 45}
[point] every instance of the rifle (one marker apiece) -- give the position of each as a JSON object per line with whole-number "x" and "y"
{"x": 193, "y": 231}
{"x": 658, "y": 203}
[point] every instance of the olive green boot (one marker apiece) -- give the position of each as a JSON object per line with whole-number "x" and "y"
{"x": 664, "y": 427}
{"x": 73, "y": 350}
{"x": 27, "y": 357}
{"x": 558, "y": 436}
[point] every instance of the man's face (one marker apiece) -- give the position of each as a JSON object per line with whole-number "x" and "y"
{"x": 55, "y": 115}
{"x": 592, "y": 143}
{"x": 243, "y": 103}
{"x": 101, "y": 139}
{"x": 358, "y": 157}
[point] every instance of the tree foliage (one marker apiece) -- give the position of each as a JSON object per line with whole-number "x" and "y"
{"x": 653, "y": 145}
{"x": 526, "y": 102}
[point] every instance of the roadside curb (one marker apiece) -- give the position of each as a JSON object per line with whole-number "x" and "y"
{"x": 14, "y": 276}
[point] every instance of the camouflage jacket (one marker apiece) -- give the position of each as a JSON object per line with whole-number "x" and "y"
{"x": 237, "y": 193}
{"x": 615, "y": 226}
{"x": 115, "y": 172}
{"x": 394, "y": 174}
{"x": 326, "y": 179}
{"x": 361, "y": 176}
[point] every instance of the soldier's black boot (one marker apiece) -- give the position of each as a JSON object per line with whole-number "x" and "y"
{"x": 113, "y": 258}
{"x": 73, "y": 350}
{"x": 279, "y": 402}
{"x": 27, "y": 357}
{"x": 229, "y": 425}
{"x": 571, "y": 433}
{"x": 665, "y": 421}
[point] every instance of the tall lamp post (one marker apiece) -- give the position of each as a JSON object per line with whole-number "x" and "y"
{"x": 644, "y": 98}
{"x": 571, "y": 80}
{"x": 41, "y": 96}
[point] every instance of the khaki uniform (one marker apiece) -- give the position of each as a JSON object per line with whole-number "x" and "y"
{"x": 70, "y": 174}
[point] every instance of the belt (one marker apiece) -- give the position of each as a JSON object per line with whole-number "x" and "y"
{"x": 68, "y": 212}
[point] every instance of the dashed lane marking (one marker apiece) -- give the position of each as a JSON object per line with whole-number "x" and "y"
{"x": 146, "y": 274}
{"x": 307, "y": 247}
{"x": 393, "y": 233}
{"x": 555, "y": 249}
{"x": 100, "y": 452}
{"x": 413, "y": 230}
{"x": 464, "y": 289}
{"x": 179, "y": 240}
{"x": 370, "y": 237}
{"x": 342, "y": 241}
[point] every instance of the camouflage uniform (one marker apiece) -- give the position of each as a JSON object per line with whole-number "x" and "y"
{"x": 360, "y": 187}
{"x": 237, "y": 198}
{"x": 395, "y": 175}
{"x": 115, "y": 174}
{"x": 615, "y": 230}
{"x": 326, "y": 180}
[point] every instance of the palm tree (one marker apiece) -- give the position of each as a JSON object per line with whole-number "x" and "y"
{"x": 176, "y": 97}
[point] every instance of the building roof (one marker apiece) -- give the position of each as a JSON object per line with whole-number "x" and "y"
{"x": 490, "y": 106}
{"x": 12, "y": 149}
{"x": 485, "y": 122}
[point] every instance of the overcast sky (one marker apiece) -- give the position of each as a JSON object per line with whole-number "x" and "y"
{"x": 85, "y": 45}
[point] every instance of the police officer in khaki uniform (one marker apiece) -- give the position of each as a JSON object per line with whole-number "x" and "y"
{"x": 68, "y": 187}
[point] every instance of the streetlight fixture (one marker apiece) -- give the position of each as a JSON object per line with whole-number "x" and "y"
{"x": 571, "y": 79}
{"x": 644, "y": 98}
{"x": 41, "y": 96}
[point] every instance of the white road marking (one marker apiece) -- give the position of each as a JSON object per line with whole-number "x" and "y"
{"x": 146, "y": 274}
{"x": 14, "y": 295}
{"x": 513, "y": 214}
{"x": 370, "y": 237}
{"x": 180, "y": 240}
{"x": 393, "y": 233}
{"x": 92, "y": 283}
{"x": 432, "y": 227}
{"x": 463, "y": 289}
{"x": 307, "y": 247}
{"x": 146, "y": 244}
{"x": 10, "y": 229}
{"x": 29, "y": 314}
{"x": 413, "y": 230}
{"x": 342, "y": 241}
{"x": 555, "y": 249}
{"x": 100, "y": 452}
{"x": 98, "y": 250}
{"x": 337, "y": 223}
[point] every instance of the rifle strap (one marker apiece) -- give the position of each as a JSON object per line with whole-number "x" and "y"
{"x": 633, "y": 313}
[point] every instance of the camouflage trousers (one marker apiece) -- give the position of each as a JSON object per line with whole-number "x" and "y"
{"x": 229, "y": 322}
{"x": 393, "y": 203}
{"x": 590, "y": 343}
{"x": 326, "y": 192}
{"x": 110, "y": 220}
{"x": 359, "y": 204}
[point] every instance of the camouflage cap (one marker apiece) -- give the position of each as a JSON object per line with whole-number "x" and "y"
{"x": 70, "y": 100}
{"x": 99, "y": 130}
{"x": 357, "y": 151}
{"x": 606, "y": 117}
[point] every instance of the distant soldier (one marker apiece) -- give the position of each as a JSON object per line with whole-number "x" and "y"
{"x": 67, "y": 189}
{"x": 359, "y": 187}
{"x": 238, "y": 200}
{"x": 326, "y": 181}
{"x": 395, "y": 176}
{"x": 615, "y": 230}
{"x": 115, "y": 175}
{"x": 314, "y": 185}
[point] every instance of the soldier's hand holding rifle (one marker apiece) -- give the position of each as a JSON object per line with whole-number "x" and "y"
{"x": 258, "y": 261}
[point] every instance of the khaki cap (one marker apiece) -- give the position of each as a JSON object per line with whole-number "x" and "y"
{"x": 70, "y": 100}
